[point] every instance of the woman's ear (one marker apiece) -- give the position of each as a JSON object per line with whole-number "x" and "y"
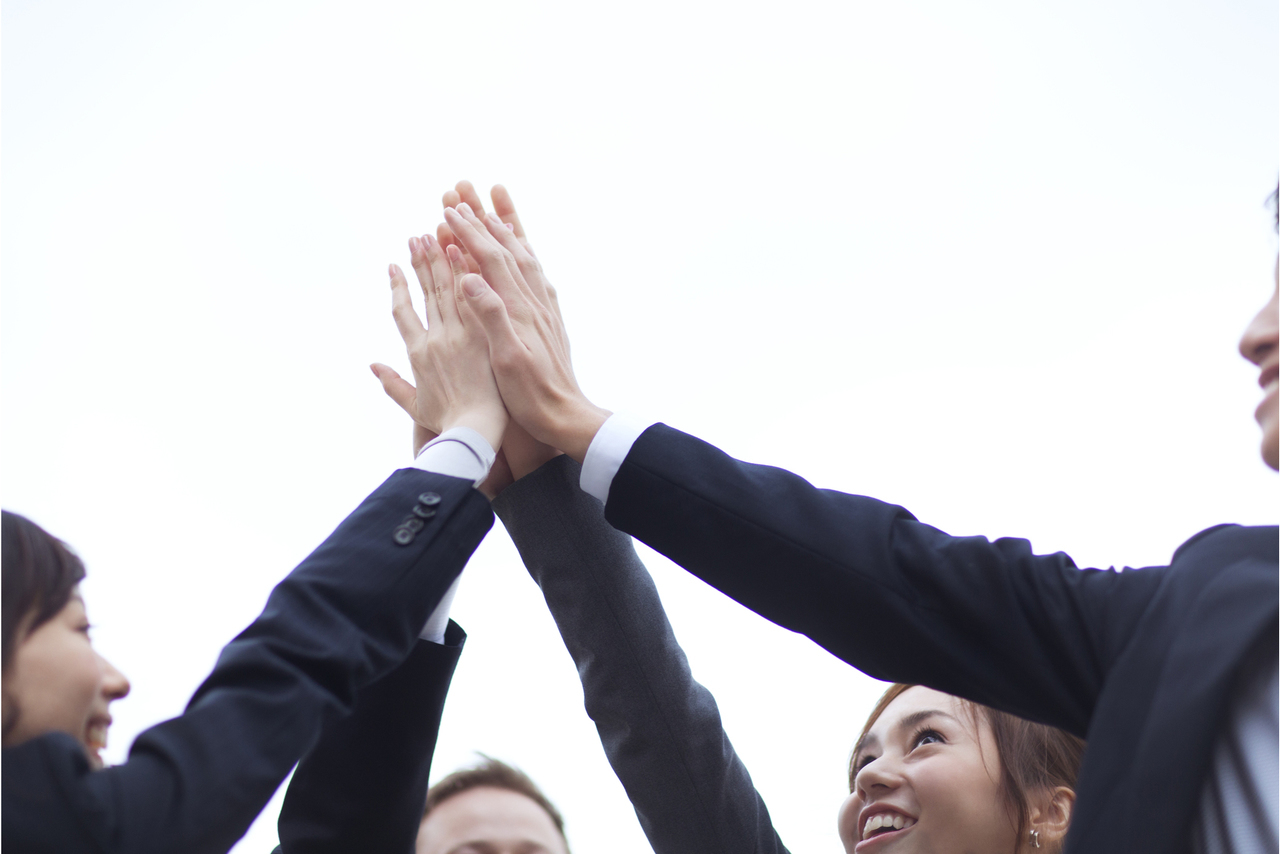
{"x": 1051, "y": 816}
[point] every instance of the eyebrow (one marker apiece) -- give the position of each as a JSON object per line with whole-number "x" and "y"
{"x": 908, "y": 722}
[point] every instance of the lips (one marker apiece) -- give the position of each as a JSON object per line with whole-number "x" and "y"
{"x": 1268, "y": 377}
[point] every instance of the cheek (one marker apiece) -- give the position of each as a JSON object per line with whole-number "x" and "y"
{"x": 847, "y": 821}
{"x": 961, "y": 806}
{"x": 55, "y": 687}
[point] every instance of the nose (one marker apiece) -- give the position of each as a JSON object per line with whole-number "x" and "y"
{"x": 1262, "y": 336}
{"x": 115, "y": 685}
{"x": 875, "y": 777}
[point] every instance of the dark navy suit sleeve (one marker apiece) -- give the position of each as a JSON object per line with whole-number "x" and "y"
{"x": 660, "y": 729}
{"x": 898, "y": 599}
{"x": 346, "y": 616}
{"x": 363, "y": 786}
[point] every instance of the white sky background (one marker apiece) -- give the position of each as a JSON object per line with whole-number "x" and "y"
{"x": 988, "y": 260}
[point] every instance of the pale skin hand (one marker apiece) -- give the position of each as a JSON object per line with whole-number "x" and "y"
{"x": 528, "y": 345}
{"x": 523, "y": 453}
{"x": 449, "y": 356}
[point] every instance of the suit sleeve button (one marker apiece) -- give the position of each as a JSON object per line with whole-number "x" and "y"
{"x": 403, "y": 536}
{"x": 429, "y": 498}
{"x": 424, "y": 512}
{"x": 413, "y": 525}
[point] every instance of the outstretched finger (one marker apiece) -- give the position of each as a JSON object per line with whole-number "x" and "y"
{"x": 457, "y": 269}
{"x": 407, "y": 320}
{"x": 426, "y": 279}
{"x": 528, "y": 266}
{"x": 397, "y": 388}
{"x": 468, "y": 195}
{"x": 490, "y": 255}
{"x": 506, "y": 210}
{"x": 447, "y": 238}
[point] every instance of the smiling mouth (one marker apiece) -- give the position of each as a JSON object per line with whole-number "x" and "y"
{"x": 885, "y": 823}
{"x": 95, "y": 735}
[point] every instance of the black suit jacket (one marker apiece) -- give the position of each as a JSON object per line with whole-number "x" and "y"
{"x": 1142, "y": 663}
{"x": 346, "y": 616}
{"x": 364, "y": 784}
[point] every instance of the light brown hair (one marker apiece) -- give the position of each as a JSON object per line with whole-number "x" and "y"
{"x": 494, "y": 774}
{"x": 1033, "y": 757}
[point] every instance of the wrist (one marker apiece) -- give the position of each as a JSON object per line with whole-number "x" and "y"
{"x": 578, "y": 427}
{"x": 489, "y": 422}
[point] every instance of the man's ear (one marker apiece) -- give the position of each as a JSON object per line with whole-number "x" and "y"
{"x": 1051, "y": 816}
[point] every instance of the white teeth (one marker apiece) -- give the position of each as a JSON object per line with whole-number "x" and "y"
{"x": 886, "y": 820}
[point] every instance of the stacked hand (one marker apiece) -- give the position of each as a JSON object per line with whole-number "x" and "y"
{"x": 494, "y": 340}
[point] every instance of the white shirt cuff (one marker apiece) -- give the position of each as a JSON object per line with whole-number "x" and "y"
{"x": 606, "y": 452}
{"x": 439, "y": 620}
{"x": 459, "y": 452}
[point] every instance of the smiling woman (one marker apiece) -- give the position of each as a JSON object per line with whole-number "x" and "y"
{"x": 54, "y": 681}
{"x": 932, "y": 772}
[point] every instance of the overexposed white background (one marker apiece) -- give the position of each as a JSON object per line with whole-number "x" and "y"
{"x": 989, "y": 260}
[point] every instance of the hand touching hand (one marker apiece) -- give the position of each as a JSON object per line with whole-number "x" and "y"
{"x": 465, "y": 193}
{"x": 523, "y": 452}
{"x": 528, "y": 345}
{"x": 455, "y": 385}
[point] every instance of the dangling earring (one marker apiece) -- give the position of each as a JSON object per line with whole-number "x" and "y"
{"x": 1035, "y": 839}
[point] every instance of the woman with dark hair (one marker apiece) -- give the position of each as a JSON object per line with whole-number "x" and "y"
{"x": 65, "y": 685}
{"x": 341, "y": 639}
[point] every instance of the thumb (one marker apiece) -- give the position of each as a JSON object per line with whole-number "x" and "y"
{"x": 398, "y": 389}
{"x": 489, "y": 308}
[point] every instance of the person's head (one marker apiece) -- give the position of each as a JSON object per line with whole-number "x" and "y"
{"x": 53, "y": 680}
{"x": 490, "y": 808}
{"x": 1260, "y": 344}
{"x": 935, "y": 773}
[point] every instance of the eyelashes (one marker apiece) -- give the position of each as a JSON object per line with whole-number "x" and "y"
{"x": 923, "y": 736}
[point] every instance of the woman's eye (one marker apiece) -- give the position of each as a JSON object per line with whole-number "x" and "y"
{"x": 865, "y": 761}
{"x": 928, "y": 736}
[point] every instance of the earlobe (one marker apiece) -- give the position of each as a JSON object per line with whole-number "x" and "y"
{"x": 1051, "y": 817}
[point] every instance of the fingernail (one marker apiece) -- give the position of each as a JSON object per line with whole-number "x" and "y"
{"x": 374, "y": 368}
{"x": 454, "y": 253}
{"x": 473, "y": 285}
{"x": 415, "y": 245}
{"x": 391, "y": 270}
{"x": 465, "y": 209}
{"x": 493, "y": 219}
{"x": 429, "y": 240}
{"x": 511, "y": 226}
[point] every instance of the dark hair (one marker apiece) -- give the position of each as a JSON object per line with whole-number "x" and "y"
{"x": 38, "y": 574}
{"x": 1033, "y": 757}
{"x": 495, "y": 774}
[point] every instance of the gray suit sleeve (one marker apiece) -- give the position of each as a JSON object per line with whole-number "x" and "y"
{"x": 660, "y": 729}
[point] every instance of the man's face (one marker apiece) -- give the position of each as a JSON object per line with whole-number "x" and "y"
{"x": 488, "y": 820}
{"x": 1260, "y": 344}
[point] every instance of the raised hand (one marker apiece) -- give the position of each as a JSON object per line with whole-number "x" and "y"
{"x": 455, "y": 385}
{"x": 523, "y": 453}
{"x": 464, "y": 193}
{"x": 528, "y": 345}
